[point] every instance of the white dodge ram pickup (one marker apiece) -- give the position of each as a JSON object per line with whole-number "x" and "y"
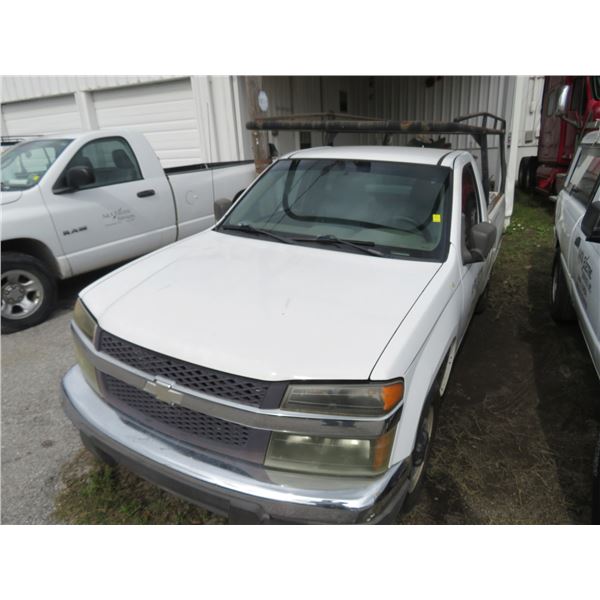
{"x": 74, "y": 203}
{"x": 286, "y": 365}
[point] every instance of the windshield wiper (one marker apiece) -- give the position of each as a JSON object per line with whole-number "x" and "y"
{"x": 251, "y": 229}
{"x": 363, "y": 246}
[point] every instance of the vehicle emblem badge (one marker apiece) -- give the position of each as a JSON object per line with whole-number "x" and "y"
{"x": 162, "y": 390}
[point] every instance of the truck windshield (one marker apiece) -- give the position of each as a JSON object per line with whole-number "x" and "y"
{"x": 400, "y": 210}
{"x": 25, "y": 164}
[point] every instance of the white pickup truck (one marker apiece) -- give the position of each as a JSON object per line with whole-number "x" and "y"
{"x": 576, "y": 269}
{"x": 74, "y": 203}
{"x": 286, "y": 365}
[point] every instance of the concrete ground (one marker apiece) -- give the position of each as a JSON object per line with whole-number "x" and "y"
{"x": 37, "y": 437}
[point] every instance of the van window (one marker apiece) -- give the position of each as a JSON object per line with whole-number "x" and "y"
{"x": 586, "y": 175}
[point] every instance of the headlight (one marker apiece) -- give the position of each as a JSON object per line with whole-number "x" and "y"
{"x": 84, "y": 320}
{"x": 332, "y": 456}
{"x": 357, "y": 400}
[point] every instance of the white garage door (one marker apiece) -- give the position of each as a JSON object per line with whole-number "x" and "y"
{"x": 56, "y": 114}
{"x": 163, "y": 112}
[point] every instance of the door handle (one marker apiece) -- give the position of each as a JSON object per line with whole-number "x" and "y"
{"x": 577, "y": 242}
{"x": 145, "y": 193}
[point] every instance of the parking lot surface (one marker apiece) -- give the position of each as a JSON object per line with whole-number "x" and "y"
{"x": 37, "y": 437}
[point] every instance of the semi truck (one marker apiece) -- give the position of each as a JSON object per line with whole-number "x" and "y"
{"x": 570, "y": 108}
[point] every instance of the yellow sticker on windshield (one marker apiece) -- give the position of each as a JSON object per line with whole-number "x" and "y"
{"x": 36, "y": 177}
{"x": 436, "y": 218}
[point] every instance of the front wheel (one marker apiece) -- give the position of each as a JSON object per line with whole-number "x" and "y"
{"x": 28, "y": 291}
{"x": 420, "y": 455}
{"x": 561, "y": 307}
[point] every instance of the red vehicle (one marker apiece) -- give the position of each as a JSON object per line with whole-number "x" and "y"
{"x": 570, "y": 107}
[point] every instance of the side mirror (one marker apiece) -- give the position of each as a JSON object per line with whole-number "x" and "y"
{"x": 590, "y": 224}
{"x": 221, "y": 206}
{"x": 481, "y": 242}
{"x": 562, "y": 101}
{"x": 78, "y": 177}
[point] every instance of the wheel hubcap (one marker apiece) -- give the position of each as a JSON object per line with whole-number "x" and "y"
{"x": 22, "y": 294}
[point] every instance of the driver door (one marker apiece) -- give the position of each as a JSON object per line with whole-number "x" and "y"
{"x": 121, "y": 215}
{"x": 472, "y": 211}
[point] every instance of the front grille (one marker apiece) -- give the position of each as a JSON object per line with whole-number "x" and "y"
{"x": 183, "y": 424}
{"x": 251, "y": 392}
{"x": 186, "y": 425}
{"x": 139, "y": 403}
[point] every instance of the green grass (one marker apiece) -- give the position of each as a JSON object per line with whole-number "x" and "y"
{"x": 94, "y": 494}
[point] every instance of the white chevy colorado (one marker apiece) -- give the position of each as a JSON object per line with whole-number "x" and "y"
{"x": 286, "y": 365}
{"x": 74, "y": 203}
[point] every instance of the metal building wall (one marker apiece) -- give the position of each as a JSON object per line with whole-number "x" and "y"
{"x": 400, "y": 98}
{"x": 203, "y": 124}
{"x": 37, "y": 86}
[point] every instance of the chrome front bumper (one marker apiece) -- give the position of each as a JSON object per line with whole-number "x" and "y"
{"x": 244, "y": 492}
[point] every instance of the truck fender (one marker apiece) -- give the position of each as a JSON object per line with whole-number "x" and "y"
{"x": 38, "y": 250}
{"x": 427, "y": 381}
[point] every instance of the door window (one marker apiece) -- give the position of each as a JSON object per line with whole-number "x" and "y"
{"x": 585, "y": 176}
{"x": 110, "y": 159}
{"x": 470, "y": 202}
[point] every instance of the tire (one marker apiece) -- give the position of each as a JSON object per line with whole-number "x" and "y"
{"x": 420, "y": 456}
{"x": 482, "y": 302}
{"x": 531, "y": 180}
{"x": 561, "y": 307}
{"x": 28, "y": 291}
{"x": 523, "y": 175}
{"x": 596, "y": 488}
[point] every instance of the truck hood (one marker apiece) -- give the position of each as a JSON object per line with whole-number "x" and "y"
{"x": 8, "y": 197}
{"x": 261, "y": 309}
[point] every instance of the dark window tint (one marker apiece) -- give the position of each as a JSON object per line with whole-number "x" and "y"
{"x": 111, "y": 160}
{"x": 586, "y": 174}
{"x": 578, "y": 99}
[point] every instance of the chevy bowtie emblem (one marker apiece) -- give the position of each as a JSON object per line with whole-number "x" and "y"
{"x": 162, "y": 389}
